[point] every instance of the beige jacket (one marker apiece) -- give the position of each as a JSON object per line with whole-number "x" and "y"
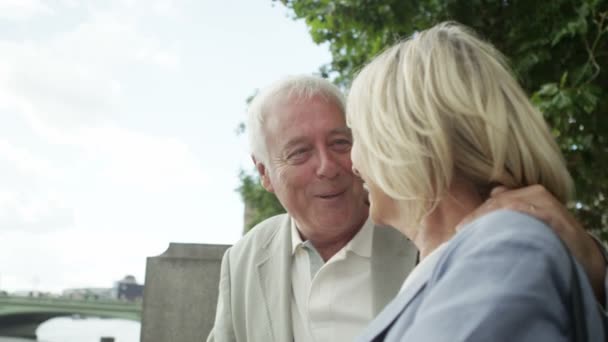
{"x": 255, "y": 282}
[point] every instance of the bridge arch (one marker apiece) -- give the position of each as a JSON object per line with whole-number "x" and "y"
{"x": 21, "y": 316}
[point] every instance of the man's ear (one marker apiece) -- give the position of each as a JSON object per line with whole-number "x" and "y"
{"x": 264, "y": 176}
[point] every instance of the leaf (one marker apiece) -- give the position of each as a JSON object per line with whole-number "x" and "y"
{"x": 563, "y": 80}
{"x": 549, "y": 89}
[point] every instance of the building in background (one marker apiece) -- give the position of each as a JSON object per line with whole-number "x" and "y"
{"x": 128, "y": 289}
{"x": 92, "y": 293}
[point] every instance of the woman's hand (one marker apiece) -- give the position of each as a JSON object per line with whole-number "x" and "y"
{"x": 536, "y": 201}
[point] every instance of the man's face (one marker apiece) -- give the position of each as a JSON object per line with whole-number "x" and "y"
{"x": 309, "y": 167}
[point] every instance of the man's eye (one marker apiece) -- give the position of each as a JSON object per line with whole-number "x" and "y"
{"x": 297, "y": 154}
{"x": 342, "y": 144}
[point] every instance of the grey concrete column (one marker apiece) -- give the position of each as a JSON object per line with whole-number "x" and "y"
{"x": 180, "y": 294}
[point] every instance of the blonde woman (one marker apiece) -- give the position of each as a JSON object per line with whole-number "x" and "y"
{"x": 438, "y": 120}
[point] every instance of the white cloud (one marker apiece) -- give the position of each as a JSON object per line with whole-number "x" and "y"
{"x": 142, "y": 162}
{"x": 78, "y": 257}
{"x": 71, "y": 3}
{"x": 111, "y": 39}
{"x": 165, "y": 8}
{"x": 116, "y": 161}
{"x": 69, "y": 88}
{"x": 41, "y": 213}
{"x": 56, "y": 90}
{"x": 18, "y": 10}
{"x": 75, "y": 75}
{"x": 116, "y": 126}
{"x": 26, "y": 201}
{"x": 157, "y": 56}
{"x": 25, "y": 163}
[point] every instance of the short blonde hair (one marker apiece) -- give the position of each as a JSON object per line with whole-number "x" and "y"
{"x": 297, "y": 87}
{"x": 444, "y": 104}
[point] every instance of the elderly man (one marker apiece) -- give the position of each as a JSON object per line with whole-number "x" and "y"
{"x": 323, "y": 271}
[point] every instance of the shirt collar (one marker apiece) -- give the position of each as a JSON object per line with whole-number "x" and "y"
{"x": 296, "y": 240}
{"x": 360, "y": 244}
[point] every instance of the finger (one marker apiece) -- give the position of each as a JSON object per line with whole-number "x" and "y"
{"x": 536, "y": 207}
{"x": 498, "y": 190}
{"x": 526, "y": 200}
{"x": 535, "y": 196}
{"x": 520, "y": 193}
{"x": 539, "y": 213}
{"x": 534, "y": 192}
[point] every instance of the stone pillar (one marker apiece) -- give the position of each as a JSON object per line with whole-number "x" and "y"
{"x": 180, "y": 294}
{"x": 248, "y": 215}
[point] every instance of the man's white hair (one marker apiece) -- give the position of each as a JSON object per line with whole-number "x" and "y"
{"x": 292, "y": 88}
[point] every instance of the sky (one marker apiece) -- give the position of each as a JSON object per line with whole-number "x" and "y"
{"x": 118, "y": 127}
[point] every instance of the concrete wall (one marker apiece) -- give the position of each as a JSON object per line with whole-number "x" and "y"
{"x": 180, "y": 295}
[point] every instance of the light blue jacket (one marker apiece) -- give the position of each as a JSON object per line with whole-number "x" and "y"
{"x": 505, "y": 277}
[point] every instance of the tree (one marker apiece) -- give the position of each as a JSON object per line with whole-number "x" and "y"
{"x": 259, "y": 203}
{"x": 558, "y": 50}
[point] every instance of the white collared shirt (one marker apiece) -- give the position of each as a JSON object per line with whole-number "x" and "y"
{"x": 331, "y": 301}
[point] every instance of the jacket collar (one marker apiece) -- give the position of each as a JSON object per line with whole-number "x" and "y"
{"x": 393, "y": 258}
{"x": 274, "y": 276}
{"x": 415, "y": 284}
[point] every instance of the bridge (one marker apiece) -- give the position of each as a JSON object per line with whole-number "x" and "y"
{"x": 21, "y": 316}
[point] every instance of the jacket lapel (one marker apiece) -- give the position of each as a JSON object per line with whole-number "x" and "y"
{"x": 393, "y": 258}
{"x": 274, "y": 275}
{"x": 415, "y": 288}
{"x": 377, "y": 329}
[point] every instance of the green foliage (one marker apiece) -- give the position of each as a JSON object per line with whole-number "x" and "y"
{"x": 558, "y": 49}
{"x": 260, "y": 204}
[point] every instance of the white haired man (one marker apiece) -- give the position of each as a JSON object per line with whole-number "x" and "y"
{"x": 322, "y": 271}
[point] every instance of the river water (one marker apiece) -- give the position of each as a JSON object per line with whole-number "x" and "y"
{"x": 84, "y": 330}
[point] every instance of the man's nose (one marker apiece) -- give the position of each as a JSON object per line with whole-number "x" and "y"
{"x": 329, "y": 166}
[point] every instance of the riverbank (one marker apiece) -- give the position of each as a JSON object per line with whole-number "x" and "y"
{"x": 67, "y": 329}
